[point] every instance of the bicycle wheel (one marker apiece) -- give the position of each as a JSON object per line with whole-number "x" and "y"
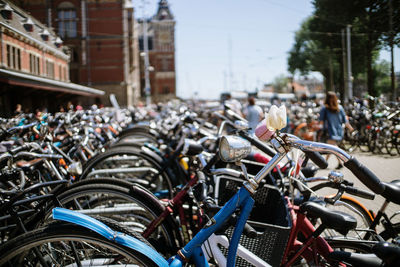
{"x": 372, "y": 141}
{"x": 363, "y": 139}
{"x": 129, "y": 205}
{"x": 131, "y": 164}
{"x": 397, "y": 142}
{"x": 352, "y": 207}
{"x": 350, "y": 245}
{"x": 380, "y": 142}
{"x": 389, "y": 141}
{"x": 65, "y": 244}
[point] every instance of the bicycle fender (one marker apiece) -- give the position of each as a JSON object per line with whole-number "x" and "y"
{"x": 102, "y": 229}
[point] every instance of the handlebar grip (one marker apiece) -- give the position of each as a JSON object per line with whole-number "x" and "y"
{"x": 365, "y": 175}
{"x": 317, "y": 159}
{"x": 359, "y": 192}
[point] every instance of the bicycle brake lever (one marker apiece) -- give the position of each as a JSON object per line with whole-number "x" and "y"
{"x": 332, "y": 200}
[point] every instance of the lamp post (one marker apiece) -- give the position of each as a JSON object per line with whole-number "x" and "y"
{"x": 147, "y": 88}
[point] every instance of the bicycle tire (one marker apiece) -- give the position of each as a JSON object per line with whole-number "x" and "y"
{"x": 389, "y": 141}
{"x": 359, "y": 212}
{"x": 21, "y": 250}
{"x": 137, "y": 129}
{"x": 96, "y": 161}
{"x": 397, "y": 142}
{"x": 380, "y": 142}
{"x": 165, "y": 238}
{"x": 358, "y": 246}
{"x": 371, "y": 141}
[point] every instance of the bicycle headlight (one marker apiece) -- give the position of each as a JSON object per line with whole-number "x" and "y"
{"x": 233, "y": 148}
{"x": 75, "y": 168}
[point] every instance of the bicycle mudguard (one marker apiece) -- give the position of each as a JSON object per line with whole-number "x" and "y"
{"x": 105, "y": 231}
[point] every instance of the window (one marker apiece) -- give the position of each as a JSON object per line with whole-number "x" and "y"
{"x": 60, "y": 77}
{"x": 38, "y": 65}
{"x": 165, "y": 90}
{"x": 165, "y": 64}
{"x": 18, "y": 58}
{"x": 149, "y": 42}
{"x": 34, "y": 64}
{"x": 66, "y": 17}
{"x": 65, "y": 73}
{"x": 49, "y": 69}
{"x": 13, "y": 57}
{"x": 9, "y": 56}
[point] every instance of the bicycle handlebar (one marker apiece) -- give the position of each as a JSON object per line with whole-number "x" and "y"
{"x": 317, "y": 159}
{"x": 358, "y": 192}
{"x": 366, "y": 176}
{"x": 258, "y": 144}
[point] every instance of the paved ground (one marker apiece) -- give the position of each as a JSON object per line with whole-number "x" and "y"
{"x": 386, "y": 167}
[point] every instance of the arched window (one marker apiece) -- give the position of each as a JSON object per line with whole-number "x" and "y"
{"x": 66, "y": 17}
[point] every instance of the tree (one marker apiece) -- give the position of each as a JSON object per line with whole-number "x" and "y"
{"x": 391, "y": 36}
{"x": 320, "y": 39}
{"x": 381, "y": 71}
{"x": 309, "y": 54}
{"x": 280, "y": 83}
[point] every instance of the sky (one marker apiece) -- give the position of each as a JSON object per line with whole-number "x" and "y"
{"x": 230, "y": 45}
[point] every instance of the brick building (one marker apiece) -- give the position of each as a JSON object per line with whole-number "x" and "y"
{"x": 103, "y": 42}
{"x": 161, "y": 45}
{"x": 34, "y": 65}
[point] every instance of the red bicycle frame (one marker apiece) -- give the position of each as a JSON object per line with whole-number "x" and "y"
{"x": 174, "y": 203}
{"x": 313, "y": 246}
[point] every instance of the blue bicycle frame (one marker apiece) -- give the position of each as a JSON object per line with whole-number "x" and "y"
{"x": 242, "y": 199}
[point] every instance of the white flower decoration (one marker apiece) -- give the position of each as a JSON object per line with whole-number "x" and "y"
{"x": 276, "y": 118}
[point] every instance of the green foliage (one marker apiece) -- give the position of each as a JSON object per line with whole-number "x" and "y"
{"x": 319, "y": 41}
{"x": 280, "y": 83}
{"x": 381, "y": 72}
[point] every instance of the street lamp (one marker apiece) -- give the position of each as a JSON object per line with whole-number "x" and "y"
{"x": 147, "y": 88}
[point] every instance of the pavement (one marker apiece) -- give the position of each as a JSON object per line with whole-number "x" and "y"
{"x": 385, "y": 167}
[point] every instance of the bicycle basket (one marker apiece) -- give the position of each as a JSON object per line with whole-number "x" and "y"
{"x": 269, "y": 217}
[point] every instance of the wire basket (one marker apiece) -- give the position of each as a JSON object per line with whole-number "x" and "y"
{"x": 269, "y": 217}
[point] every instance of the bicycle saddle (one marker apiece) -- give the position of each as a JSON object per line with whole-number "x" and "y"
{"x": 356, "y": 259}
{"x": 336, "y": 220}
{"x": 388, "y": 252}
{"x": 392, "y": 191}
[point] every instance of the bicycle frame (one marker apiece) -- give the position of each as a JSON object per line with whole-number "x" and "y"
{"x": 176, "y": 202}
{"x": 313, "y": 242}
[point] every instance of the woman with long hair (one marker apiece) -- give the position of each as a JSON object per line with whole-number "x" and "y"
{"x": 332, "y": 118}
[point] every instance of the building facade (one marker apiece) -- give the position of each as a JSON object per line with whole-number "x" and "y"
{"x": 161, "y": 45}
{"x": 102, "y": 38}
{"x": 34, "y": 65}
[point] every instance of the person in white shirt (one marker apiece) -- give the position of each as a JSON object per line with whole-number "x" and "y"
{"x": 234, "y": 105}
{"x": 254, "y": 114}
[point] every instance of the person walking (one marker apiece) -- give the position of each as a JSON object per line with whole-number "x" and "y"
{"x": 332, "y": 117}
{"x": 254, "y": 114}
{"x": 234, "y": 105}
